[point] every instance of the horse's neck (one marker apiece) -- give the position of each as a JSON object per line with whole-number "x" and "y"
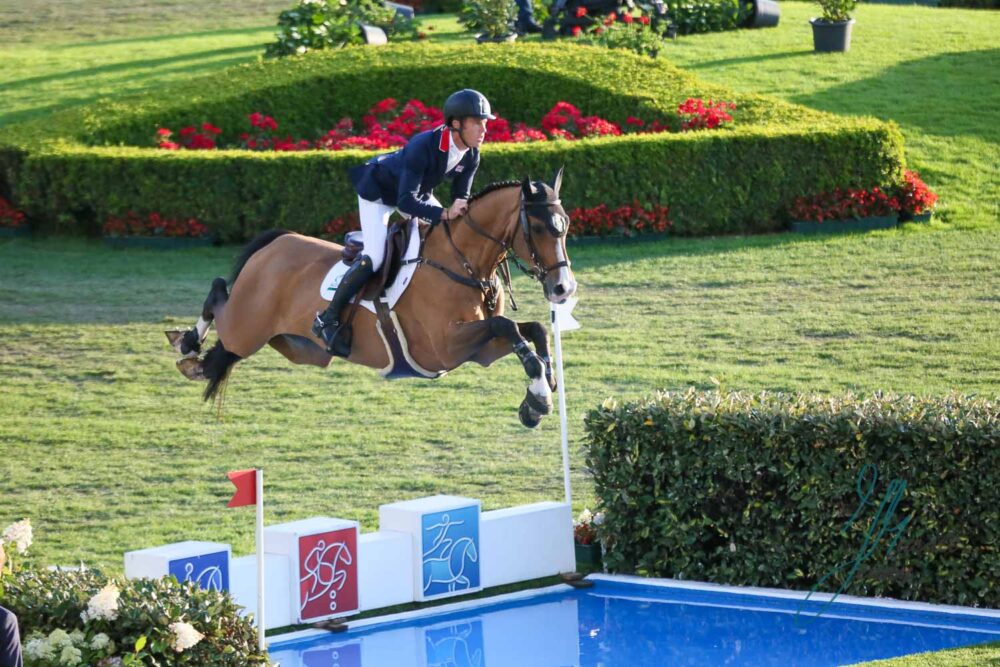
{"x": 493, "y": 215}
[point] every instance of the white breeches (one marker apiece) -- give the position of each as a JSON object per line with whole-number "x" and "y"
{"x": 374, "y": 217}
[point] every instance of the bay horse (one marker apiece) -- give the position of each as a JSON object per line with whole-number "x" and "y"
{"x": 451, "y": 312}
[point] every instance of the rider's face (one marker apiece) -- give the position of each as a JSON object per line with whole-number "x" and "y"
{"x": 473, "y": 131}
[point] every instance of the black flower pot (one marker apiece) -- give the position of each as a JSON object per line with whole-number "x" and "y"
{"x": 766, "y": 14}
{"x": 831, "y": 37}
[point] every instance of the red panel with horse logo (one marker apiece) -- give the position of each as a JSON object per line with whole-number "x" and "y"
{"x": 328, "y": 574}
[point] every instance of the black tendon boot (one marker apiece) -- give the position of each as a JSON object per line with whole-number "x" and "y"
{"x": 327, "y": 325}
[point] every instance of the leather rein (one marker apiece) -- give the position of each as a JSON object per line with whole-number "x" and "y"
{"x": 490, "y": 288}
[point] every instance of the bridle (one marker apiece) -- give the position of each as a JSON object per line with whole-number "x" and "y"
{"x": 491, "y": 288}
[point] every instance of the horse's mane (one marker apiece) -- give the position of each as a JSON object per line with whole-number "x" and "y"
{"x": 493, "y": 186}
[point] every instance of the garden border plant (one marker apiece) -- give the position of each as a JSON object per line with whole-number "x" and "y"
{"x": 74, "y": 169}
{"x": 703, "y": 485}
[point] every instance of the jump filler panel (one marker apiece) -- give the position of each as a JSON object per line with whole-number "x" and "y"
{"x": 445, "y": 535}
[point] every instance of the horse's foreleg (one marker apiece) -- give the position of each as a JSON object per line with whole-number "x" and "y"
{"x": 188, "y": 343}
{"x": 498, "y": 336}
{"x": 539, "y": 337}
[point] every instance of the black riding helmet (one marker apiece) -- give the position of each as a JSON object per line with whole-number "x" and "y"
{"x": 464, "y": 104}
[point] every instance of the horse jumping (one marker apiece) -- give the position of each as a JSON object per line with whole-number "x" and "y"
{"x": 451, "y": 312}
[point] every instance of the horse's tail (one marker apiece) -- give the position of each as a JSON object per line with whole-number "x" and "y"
{"x": 216, "y": 366}
{"x": 259, "y": 242}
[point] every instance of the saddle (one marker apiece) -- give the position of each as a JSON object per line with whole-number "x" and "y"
{"x": 396, "y": 241}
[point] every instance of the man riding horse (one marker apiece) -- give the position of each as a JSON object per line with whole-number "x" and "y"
{"x": 404, "y": 180}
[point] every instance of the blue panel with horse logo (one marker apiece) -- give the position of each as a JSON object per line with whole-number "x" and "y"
{"x": 458, "y": 645}
{"x": 210, "y": 571}
{"x": 450, "y": 551}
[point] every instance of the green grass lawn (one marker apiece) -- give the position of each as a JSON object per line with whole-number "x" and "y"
{"x": 107, "y": 448}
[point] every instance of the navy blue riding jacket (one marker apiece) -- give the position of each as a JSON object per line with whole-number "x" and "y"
{"x": 407, "y": 178}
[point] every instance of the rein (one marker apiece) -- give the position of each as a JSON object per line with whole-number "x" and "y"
{"x": 490, "y": 288}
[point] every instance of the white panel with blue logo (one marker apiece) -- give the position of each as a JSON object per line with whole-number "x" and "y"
{"x": 209, "y": 571}
{"x": 450, "y": 551}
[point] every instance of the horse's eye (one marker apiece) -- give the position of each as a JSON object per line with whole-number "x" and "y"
{"x": 537, "y": 229}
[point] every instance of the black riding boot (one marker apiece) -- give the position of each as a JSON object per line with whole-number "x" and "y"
{"x": 327, "y": 325}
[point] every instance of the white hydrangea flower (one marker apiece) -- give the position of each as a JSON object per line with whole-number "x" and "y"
{"x": 77, "y": 637}
{"x": 104, "y": 605}
{"x": 185, "y": 636}
{"x": 585, "y": 516}
{"x": 99, "y": 641}
{"x": 300, "y": 50}
{"x": 60, "y": 638}
{"x": 19, "y": 534}
{"x": 599, "y": 518}
{"x": 38, "y": 648}
{"x": 70, "y": 656}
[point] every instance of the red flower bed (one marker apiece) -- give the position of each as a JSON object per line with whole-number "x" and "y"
{"x": 912, "y": 197}
{"x": 701, "y": 116}
{"x": 10, "y": 217}
{"x": 337, "y": 228}
{"x": 153, "y": 224}
{"x": 388, "y": 126}
{"x": 622, "y": 221}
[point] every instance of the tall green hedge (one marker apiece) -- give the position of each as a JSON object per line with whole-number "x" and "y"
{"x": 73, "y": 169}
{"x": 756, "y": 490}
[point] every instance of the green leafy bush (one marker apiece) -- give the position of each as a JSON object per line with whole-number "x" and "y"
{"x": 695, "y": 16}
{"x": 639, "y": 35}
{"x": 72, "y": 170}
{"x": 492, "y": 18}
{"x": 757, "y": 490}
{"x": 835, "y": 11}
{"x": 47, "y": 602}
{"x": 317, "y": 24}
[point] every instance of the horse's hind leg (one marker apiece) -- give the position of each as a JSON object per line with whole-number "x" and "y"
{"x": 188, "y": 343}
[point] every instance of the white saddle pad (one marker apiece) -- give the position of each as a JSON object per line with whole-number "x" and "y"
{"x": 333, "y": 277}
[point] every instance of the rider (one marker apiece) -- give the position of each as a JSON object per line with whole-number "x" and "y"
{"x": 404, "y": 180}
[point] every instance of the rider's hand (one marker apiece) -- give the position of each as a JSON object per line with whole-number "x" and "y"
{"x": 457, "y": 209}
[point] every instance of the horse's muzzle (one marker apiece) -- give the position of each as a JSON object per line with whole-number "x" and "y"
{"x": 560, "y": 286}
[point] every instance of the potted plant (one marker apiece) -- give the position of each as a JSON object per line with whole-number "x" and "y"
{"x": 916, "y": 200}
{"x": 12, "y": 221}
{"x": 832, "y": 31}
{"x": 588, "y": 547}
{"x": 493, "y": 20}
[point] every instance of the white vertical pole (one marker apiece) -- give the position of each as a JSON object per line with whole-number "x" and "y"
{"x": 562, "y": 404}
{"x": 261, "y": 644}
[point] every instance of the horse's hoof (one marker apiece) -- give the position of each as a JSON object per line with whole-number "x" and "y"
{"x": 191, "y": 368}
{"x": 175, "y": 336}
{"x": 528, "y": 417}
{"x": 542, "y": 407}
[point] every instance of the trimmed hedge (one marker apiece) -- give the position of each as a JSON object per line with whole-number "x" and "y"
{"x": 754, "y": 490}
{"x": 973, "y": 4}
{"x": 74, "y": 168}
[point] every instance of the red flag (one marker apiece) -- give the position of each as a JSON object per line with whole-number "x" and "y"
{"x": 246, "y": 487}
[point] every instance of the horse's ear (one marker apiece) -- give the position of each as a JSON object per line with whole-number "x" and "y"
{"x": 558, "y": 182}
{"x": 527, "y": 187}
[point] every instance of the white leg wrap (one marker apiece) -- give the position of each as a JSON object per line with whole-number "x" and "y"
{"x": 202, "y": 328}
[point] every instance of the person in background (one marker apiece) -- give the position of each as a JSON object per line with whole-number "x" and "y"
{"x": 10, "y": 636}
{"x": 526, "y": 23}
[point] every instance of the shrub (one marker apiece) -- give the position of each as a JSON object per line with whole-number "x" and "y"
{"x": 492, "y": 18}
{"x": 695, "y": 16}
{"x": 835, "y": 11}
{"x": 73, "y": 169}
{"x": 317, "y": 24}
{"x": 755, "y": 489}
{"x": 625, "y": 31}
{"x": 10, "y": 217}
{"x": 974, "y": 4}
{"x": 82, "y": 618}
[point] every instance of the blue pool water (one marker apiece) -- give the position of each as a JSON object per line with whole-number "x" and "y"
{"x": 630, "y": 624}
